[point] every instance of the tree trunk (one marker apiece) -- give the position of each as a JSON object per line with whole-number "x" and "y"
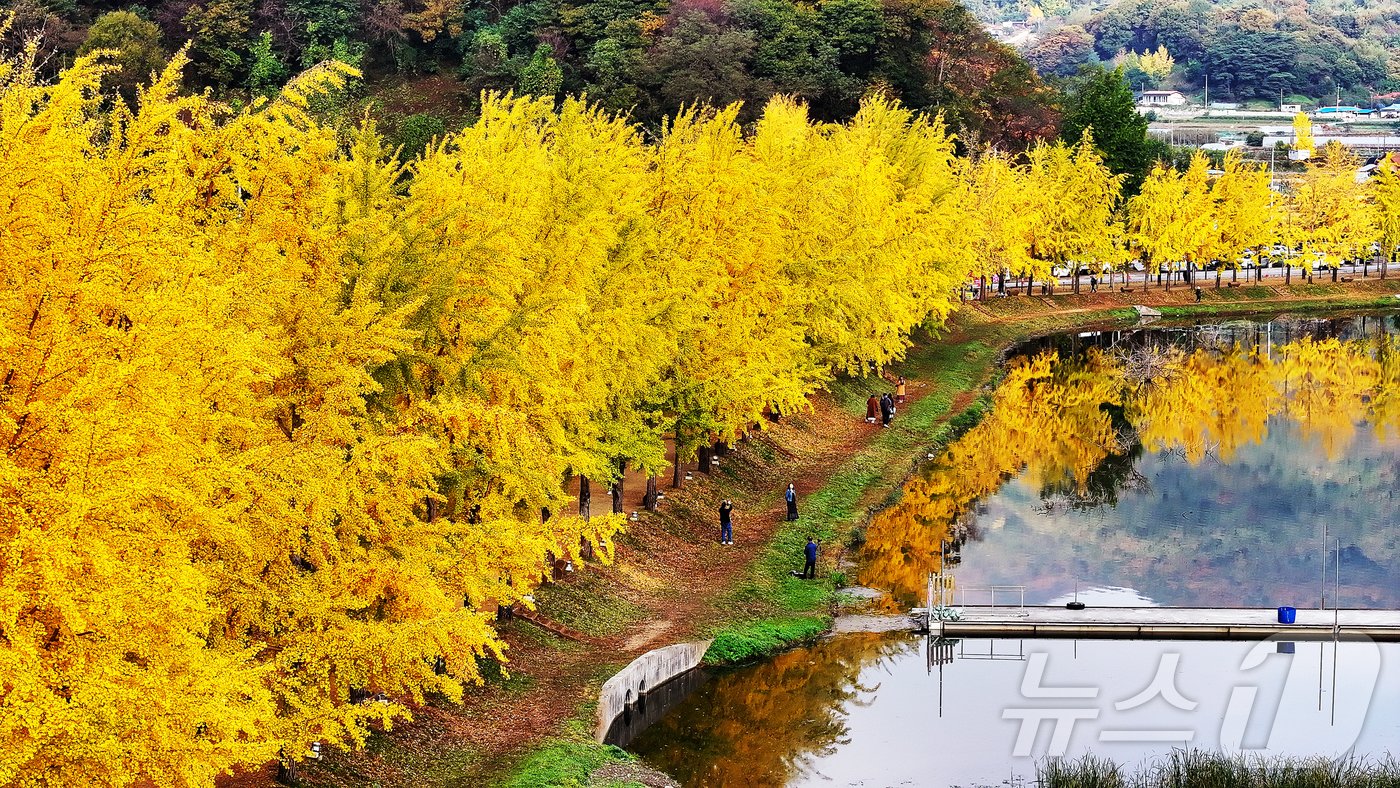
{"x": 585, "y": 498}
{"x": 431, "y": 504}
{"x": 1217, "y": 279}
{"x": 617, "y": 488}
{"x": 649, "y": 500}
{"x": 702, "y": 455}
{"x": 721, "y": 449}
{"x": 981, "y": 288}
{"x": 1234, "y": 274}
{"x": 287, "y": 773}
{"x": 1288, "y": 274}
{"x": 1334, "y": 272}
{"x": 677, "y": 475}
{"x": 1076, "y": 281}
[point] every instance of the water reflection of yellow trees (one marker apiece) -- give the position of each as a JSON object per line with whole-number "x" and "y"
{"x": 763, "y": 722}
{"x": 1205, "y": 404}
{"x": 1053, "y": 423}
{"x": 1048, "y": 422}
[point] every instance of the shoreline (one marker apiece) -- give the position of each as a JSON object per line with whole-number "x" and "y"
{"x": 532, "y": 728}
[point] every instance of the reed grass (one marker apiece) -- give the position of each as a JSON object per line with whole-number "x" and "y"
{"x": 1204, "y": 769}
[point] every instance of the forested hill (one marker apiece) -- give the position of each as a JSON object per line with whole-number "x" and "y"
{"x": 1249, "y": 49}
{"x": 646, "y": 56}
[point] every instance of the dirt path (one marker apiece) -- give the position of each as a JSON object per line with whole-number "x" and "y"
{"x": 1247, "y": 297}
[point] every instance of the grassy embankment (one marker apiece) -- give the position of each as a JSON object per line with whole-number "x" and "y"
{"x": 1198, "y": 768}
{"x": 949, "y": 374}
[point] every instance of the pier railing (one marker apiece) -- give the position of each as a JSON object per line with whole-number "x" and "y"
{"x": 1017, "y": 593}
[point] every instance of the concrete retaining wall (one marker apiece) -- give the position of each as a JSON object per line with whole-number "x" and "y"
{"x": 646, "y": 672}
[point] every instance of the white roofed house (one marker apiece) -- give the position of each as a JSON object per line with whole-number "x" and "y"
{"x": 1161, "y": 98}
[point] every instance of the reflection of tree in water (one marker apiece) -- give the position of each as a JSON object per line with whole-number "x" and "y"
{"x": 1050, "y": 422}
{"x": 1079, "y": 429}
{"x": 1116, "y": 473}
{"x": 761, "y": 725}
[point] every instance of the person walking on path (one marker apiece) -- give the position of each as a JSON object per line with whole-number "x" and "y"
{"x": 1093, "y": 284}
{"x": 726, "y": 522}
{"x": 809, "y": 569}
{"x": 791, "y": 496}
{"x": 900, "y": 390}
{"x": 886, "y": 409}
{"x": 872, "y": 408}
{"x": 1199, "y": 293}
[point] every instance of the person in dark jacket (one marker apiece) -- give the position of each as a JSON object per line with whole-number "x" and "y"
{"x": 872, "y": 408}
{"x": 791, "y": 496}
{"x": 886, "y": 409}
{"x": 726, "y": 522}
{"x": 809, "y": 569}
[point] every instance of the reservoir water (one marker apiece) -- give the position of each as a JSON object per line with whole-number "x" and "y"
{"x": 1241, "y": 464}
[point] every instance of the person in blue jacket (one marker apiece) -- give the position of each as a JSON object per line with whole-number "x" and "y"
{"x": 809, "y": 569}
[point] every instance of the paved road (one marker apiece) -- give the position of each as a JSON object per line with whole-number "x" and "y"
{"x": 1206, "y": 279}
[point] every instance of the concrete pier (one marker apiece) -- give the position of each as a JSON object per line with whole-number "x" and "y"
{"x": 1166, "y": 623}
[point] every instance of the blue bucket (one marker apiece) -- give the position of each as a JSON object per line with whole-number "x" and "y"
{"x": 1287, "y": 615}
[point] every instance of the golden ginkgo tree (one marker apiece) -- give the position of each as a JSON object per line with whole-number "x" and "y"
{"x": 283, "y": 417}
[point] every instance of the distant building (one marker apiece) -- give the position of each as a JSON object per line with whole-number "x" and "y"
{"x": 1161, "y": 98}
{"x": 1360, "y": 144}
{"x": 1365, "y": 171}
{"x": 1391, "y": 111}
{"x": 1290, "y": 108}
{"x": 1337, "y": 113}
{"x": 1225, "y": 105}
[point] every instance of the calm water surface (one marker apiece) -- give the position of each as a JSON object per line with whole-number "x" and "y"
{"x": 864, "y": 710}
{"x": 1190, "y": 466}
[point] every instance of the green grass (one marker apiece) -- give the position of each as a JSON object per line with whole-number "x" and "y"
{"x": 587, "y": 604}
{"x": 754, "y": 639}
{"x": 566, "y": 763}
{"x": 1225, "y": 307}
{"x": 1200, "y": 769}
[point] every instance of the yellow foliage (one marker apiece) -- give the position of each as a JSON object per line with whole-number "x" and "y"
{"x": 1329, "y": 213}
{"x": 1302, "y": 132}
{"x": 282, "y": 415}
{"x": 1157, "y": 64}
